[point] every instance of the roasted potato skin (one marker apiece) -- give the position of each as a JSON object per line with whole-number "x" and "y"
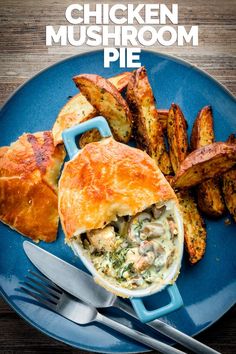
{"x": 209, "y": 196}
{"x": 203, "y": 130}
{"x": 78, "y": 109}
{"x": 177, "y": 136}
{"x": 194, "y": 228}
{"x": 169, "y": 179}
{"x": 147, "y": 129}
{"x": 89, "y": 137}
{"x": 107, "y": 100}
{"x": 120, "y": 81}
{"x": 231, "y": 139}
{"x": 163, "y": 118}
{"x": 229, "y": 191}
{"x": 75, "y": 111}
{"x": 165, "y": 164}
{"x": 229, "y": 185}
{"x": 207, "y": 162}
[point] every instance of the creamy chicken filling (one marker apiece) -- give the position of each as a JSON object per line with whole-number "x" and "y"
{"x": 135, "y": 251}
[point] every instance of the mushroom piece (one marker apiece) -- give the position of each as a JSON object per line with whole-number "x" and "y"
{"x": 135, "y": 226}
{"x": 158, "y": 211}
{"x": 103, "y": 239}
{"x": 151, "y": 246}
{"x": 146, "y": 246}
{"x": 152, "y": 230}
{"x": 159, "y": 250}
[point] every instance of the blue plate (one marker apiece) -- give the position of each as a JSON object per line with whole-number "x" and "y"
{"x": 208, "y": 288}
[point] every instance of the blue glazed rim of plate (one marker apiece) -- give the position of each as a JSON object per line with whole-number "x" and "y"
{"x": 164, "y": 56}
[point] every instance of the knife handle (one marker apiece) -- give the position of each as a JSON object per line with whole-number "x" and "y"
{"x": 138, "y": 336}
{"x": 169, "y": 331}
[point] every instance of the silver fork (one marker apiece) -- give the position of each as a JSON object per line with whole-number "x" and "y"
{"x": 55, "y": 299}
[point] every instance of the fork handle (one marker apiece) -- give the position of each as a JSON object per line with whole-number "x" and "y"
{"x": 169, "y": 331}
{"x": 138, "y": 336}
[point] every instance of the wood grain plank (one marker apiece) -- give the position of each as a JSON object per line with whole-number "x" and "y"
{"x": 221, "y": 336}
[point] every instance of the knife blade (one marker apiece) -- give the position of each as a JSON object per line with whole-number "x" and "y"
{"x": 68, "y": 277}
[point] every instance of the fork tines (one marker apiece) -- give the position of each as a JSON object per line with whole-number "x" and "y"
{"x": 42, "y": 289}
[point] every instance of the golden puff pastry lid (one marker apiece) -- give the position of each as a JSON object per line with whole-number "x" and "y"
{"x": 29, "y": 169}
{"x": 108, "y": 179}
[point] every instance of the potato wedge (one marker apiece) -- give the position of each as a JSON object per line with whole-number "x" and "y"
{"x": 165, "y": 164}
{"x": 177, "y": 136}
{"x": 78, "y": 109}
{"x": 163, "y": 118}
{"x": 229, "y": 185}
{"x": 209, "y": 196}
{"x": 162, "y": 115}
{"x": 231, "y": 139}
{"x": 205, "y": 163}
{"x": 107, "y": 100}
{"x": 75, "y": 111}
{"x": 203, "y": 131}
{"x": 229, "y": 191}
{"x": 89, "y": 137}
{"x": 169, "y": 179}
{"x": 147, "y": 129}
{"x": 194, "y": 229}
{"x": 121, "y": 81}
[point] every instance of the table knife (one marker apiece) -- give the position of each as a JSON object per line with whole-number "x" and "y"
{"x": 82, "y": 286}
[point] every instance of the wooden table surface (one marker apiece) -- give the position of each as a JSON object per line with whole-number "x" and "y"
{"x": 23, "y": 53}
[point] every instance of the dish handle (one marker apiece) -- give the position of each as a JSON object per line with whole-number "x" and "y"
{"x": 70, "y": 134}
{"x": 146, "y": 316}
